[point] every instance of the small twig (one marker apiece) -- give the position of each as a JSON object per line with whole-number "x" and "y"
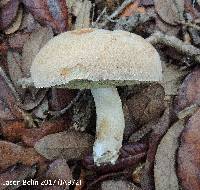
{"x": 172, "y": 41}
{"x": 61, "y": 112}
{"x": 99, "y": 17}
{"x": 120, "y": 9}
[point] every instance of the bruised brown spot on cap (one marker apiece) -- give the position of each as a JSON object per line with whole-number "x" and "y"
{"x": 82, "y": 31}
{"x": 64, "y": 72}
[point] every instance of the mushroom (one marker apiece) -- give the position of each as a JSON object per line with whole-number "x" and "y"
{"x": 99, "y": 60}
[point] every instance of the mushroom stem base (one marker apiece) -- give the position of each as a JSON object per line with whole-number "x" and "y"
{"x": 110, "y": 125}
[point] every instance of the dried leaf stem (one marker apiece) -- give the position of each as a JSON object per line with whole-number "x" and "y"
{"x": 179, "y": 45}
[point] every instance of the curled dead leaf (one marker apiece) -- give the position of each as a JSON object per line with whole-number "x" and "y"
{"x": 189, "y": 91}
{"x": 189, "y": 154}
{"x": 8, "y": 13}
{"x": 171, "y": 11}
{"x": 164, "y": 167}
{"x": 158, "y": 132}
{"x": 16, "y": 24}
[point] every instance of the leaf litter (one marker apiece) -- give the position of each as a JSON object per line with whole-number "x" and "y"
{"x": 25, "y": 28}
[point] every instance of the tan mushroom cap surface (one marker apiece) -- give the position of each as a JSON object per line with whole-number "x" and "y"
{"x": 89, "y": 58}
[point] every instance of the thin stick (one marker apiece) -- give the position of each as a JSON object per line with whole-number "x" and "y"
{"x": 172, "y": 41}
{"x": 120, "y": 9}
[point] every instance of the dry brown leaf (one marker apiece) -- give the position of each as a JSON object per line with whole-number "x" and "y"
{"x": 60, "y": 98}
{"x": 158, "y": 132}
{"x": 17, "y": 40}
{"x": 29, "y": 23}
{"x": 171, "y": 11}
{"x": 13, "y": 130}
{"x": 189, "y": 91}
{"x": 16, "y": 24}
{"x": 32, "y": 46}
{"x": 189, "y": 154}
{"x": 167, "y": 28}
{"x": 8, "y": 13}
{"x": 12, "y": 154}
{"x": 147, "y": 105}
{"x": 14, "y": 61}
{"x": 164, "y": 167}
{"x": 132, "y": 8}
{"x": 8, "y": 107}
{"x": 31, "y": 136}
{"x": 49, "y": 12}
{"x": 172, "y": 78}
{"x": 59, "y": 170}
{"x": 67, "y": 145}
{"x": 15, "y": 174}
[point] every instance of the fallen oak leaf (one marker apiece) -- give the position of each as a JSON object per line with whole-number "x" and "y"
{"x": 68, "y": 145}
{"x": 172, "y": 78}
{"x": 189, "y": 91}
{"x": 147, "y": 105}
{"x": 188, "y": 155}
{"x": 171, "y": 11}
{"x": 31, "y": 136}
{"x": 12, "y": 154}
{"x": 165, "y": 161}
{"x": 59, "y": 170}
{"x": 8, "y": 13}
{"x": 158, "y": 132}
{"x": 49, "y": 12}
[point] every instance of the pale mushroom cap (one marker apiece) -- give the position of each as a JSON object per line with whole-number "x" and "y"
{"x": 88, "y": 58}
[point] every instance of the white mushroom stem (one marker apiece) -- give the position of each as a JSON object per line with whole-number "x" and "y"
{"x": 110, "y": 125}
